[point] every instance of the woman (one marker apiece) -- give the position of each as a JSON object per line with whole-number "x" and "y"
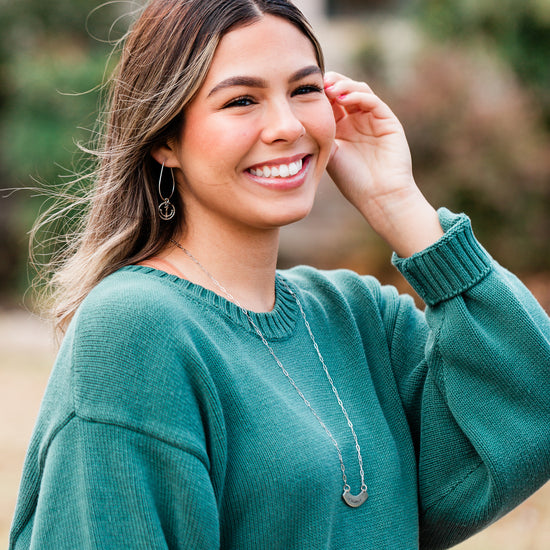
{"x": 200, "y": 398}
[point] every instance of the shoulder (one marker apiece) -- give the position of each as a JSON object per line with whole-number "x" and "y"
{"x": 136, "y": 305}
{"x": 131, "y": 289}
{"x": 130, "y": 361}
{"x": 344, "y": 293}
{"x": 343, "y": 285}
{"x": 130, "y": 310}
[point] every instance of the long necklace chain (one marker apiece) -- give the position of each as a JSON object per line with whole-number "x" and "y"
{"x": 350, "y": 499}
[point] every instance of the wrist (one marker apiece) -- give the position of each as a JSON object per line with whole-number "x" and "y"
{"x": 409, "y": 224}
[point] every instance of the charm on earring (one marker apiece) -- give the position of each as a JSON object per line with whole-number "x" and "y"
{"x": 166, "y": 209}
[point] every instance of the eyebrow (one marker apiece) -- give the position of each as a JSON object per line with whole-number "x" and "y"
{"x": 254, "y": 82}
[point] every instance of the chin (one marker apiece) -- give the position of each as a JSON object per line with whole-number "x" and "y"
{"x": 290, "y": 217}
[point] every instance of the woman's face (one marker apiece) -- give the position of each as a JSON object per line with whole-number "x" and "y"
{"x": 257, "y": 138}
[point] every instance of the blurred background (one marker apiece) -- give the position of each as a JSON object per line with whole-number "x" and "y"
{"x": 469, "y": 79}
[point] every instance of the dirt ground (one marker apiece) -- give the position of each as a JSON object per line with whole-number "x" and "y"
{"x": 26, "y": 355}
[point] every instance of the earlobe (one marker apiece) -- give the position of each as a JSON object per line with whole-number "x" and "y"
{"x": 166, "y": 154}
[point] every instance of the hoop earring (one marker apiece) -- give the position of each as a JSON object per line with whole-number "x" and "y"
{"x": 166, "y": 209}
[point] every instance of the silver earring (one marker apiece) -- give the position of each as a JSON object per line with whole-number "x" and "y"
{"x": 166, "y": 209}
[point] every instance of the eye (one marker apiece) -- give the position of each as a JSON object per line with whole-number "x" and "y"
{"x": 307, "y": 89}
{"x": 243, "y": 101}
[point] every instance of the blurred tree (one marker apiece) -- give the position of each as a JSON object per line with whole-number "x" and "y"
{"x": 52, "y": 64}
{"x": 475, "y": 107}
{"x": 479, "y": 146}
{"x": 518, "y": 29}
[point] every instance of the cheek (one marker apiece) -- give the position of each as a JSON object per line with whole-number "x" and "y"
{"x": 323, "y": 126}
{"x": 216, "y": 151}
{"x": 328, "y": 122}
{"x": 225, "y": 139}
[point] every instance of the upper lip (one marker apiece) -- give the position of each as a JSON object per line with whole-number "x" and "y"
{"x": 278, "y": 161}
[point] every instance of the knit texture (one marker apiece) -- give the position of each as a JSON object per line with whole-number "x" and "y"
{"x": 167, "y": 423}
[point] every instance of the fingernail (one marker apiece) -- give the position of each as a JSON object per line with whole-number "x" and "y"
{"x": 342, "y": 96}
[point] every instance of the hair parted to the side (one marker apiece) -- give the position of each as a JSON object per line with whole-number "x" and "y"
{"x": 164, "y": 61}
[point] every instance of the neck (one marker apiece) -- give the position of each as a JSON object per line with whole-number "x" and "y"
{"x": 244, "y": 263}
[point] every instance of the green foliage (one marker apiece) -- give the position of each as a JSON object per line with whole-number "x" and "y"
{"x": 51, "y": 94}
{"x": 481, "y": 138}
{"x": 26, "y": 23}
{"x": 52, "y": 65}
{"x": 479, "y": 145}
{"x": 519, "y": 30}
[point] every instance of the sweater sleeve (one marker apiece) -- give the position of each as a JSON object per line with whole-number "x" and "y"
{"x": 137, "y": 462}
{"x": 478, "y": 396}
{"x": 105, "y": 486}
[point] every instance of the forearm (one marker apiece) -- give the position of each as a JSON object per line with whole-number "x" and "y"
{"x": 404, "y": 219}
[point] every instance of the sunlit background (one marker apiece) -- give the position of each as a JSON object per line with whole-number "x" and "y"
{"x": 469, "y": 79}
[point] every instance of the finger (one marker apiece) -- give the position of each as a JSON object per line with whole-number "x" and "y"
{"x": 333, "y": 150}
{"x": 333, "y": 84}
{"x": 332, "y": 77}
{"x": 336, "y": 84}
{"x": 354, "y": 102}
{"x": 338, "y": 110}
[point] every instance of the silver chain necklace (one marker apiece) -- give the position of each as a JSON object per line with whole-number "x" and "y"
{"x": 351, "y": 500}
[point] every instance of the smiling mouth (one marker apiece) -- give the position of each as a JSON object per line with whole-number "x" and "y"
{"x": 278, "y": 171}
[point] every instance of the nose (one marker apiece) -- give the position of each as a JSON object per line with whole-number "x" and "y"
{"x": 281, "y": 123}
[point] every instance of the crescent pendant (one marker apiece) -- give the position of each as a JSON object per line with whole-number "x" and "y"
{"x": 355, "y": 500}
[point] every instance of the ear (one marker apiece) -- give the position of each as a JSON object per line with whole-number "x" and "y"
{"x": 166, "y": 154}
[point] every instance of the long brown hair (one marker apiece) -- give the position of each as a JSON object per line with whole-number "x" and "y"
{"x": 164, "y": 61}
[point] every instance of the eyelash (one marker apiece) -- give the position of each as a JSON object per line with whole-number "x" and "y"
{"x": 308, "y": 89}
{"x": 301, "y": 90}
{"x": 239, "y": 102}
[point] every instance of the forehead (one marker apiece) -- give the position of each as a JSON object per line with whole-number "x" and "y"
{"x": 270, "y": 44}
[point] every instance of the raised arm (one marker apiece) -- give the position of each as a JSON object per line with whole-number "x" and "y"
{"x": 479, "y": 398}
{"x": 371, "y": 165}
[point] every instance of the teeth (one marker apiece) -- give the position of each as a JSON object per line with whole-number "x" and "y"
{"x": 281, "y": 171}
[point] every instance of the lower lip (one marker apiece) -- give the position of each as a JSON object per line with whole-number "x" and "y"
{"x": 291, "y": 182}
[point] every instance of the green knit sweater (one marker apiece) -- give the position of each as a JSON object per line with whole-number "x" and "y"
{"x": 167, "y": 423}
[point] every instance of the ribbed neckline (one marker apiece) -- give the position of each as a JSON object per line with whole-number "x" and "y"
{"x": 277, "y": 323}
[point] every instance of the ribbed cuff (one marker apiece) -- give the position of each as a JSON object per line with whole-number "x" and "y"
{"x": 449, "y": 267}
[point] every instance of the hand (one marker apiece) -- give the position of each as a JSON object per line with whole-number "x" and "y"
{"x": 371, "y": 165}
{"x": 371, "y": 158}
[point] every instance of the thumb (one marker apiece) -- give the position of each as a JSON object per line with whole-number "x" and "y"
{"x": 333, "y": 151}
